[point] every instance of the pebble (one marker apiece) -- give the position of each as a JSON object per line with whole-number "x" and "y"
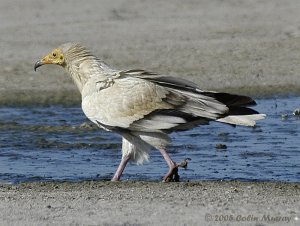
{"x": 296, "y": 112}
{"x": 284, "y": 116}
{"x": 221, "y": 146}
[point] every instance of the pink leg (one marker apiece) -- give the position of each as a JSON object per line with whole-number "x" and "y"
{"x": 173, "y": 167}
{"x": 120, "y": 169}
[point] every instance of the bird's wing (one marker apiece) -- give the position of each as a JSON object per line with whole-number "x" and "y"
{"x": 207, "y": 105}
{"x": 143, "y": 101}
{"x": 196, "y": 102}
{"x": 184, "y": 85}
{"x": 118, "y": 101}
{"x": 166, "y": 81}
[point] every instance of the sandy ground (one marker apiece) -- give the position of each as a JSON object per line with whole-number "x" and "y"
{"x": 150, "y": 203}
{"x": 249, "y": 47}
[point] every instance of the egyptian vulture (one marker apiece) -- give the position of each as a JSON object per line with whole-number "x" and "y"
{"x": 144, "y": 107}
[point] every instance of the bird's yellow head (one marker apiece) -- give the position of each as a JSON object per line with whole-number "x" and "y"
{"x": 56, "y": 56}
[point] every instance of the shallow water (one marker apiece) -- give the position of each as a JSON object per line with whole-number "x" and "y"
{"x": 58, "y": 143}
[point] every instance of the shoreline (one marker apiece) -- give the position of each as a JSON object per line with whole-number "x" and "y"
{"x": 150, "y": 203}
{"x": 71, "y": 97}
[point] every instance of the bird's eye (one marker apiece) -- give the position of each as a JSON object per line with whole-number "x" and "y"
{"x": 54, "y": 54}
{"x": 61, "y": 57}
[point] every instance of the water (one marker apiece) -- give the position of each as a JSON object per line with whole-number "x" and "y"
{"x": 58, "y": 143}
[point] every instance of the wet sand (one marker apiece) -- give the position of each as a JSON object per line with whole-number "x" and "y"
{"x": 246, "y": 47}
{"x": 150, "y": 203}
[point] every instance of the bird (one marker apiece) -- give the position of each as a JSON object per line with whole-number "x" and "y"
{"x": 145, "y": 107}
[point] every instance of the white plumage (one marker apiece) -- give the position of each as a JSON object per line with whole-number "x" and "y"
{"x": 145, "y": 107}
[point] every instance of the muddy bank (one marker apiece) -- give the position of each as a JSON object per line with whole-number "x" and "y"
{"x": 150, "y": 203}
{"x": 71, "y": 97}
{"x": 237, "y": 46}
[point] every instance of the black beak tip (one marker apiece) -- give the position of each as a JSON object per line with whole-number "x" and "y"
{"x": 37, "y": 64}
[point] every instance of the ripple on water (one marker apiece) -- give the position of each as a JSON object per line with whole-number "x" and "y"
{"x": 58, "y": 143}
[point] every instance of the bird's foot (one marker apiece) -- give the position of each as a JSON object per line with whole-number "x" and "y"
{"x": 172, "y": 175}
{"x": 115, "y": 178}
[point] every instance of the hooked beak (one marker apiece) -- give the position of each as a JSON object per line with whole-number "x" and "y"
{"x": 38, "y": 64}
{"x": 45, "y": 60}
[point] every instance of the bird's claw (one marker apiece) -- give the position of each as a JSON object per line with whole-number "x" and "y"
{"x": 184, "y": 163}
{"x": 172, "y": 175}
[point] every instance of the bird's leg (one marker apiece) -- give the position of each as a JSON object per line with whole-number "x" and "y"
{"x": 172, "y": 174}
{"x": 121, "y": 168}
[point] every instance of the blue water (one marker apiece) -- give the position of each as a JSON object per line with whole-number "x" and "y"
{"x": 58, "y": 143}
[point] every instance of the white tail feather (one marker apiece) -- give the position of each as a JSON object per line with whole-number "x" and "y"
{"x": 242, "y": 120}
